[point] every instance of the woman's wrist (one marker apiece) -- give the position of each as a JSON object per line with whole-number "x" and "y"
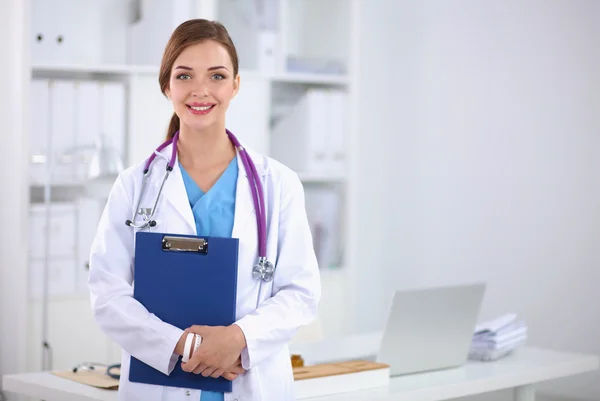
{"x": 239, "y": 336}
{"x": 180, "y": 344}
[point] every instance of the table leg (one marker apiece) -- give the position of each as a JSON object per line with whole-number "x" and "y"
{"x": 525, "y": 393}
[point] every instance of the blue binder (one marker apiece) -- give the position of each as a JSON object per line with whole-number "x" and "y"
{"x": 164, "y": 265}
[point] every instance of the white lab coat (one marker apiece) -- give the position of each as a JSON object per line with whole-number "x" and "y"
{"x": 286, "y": 303}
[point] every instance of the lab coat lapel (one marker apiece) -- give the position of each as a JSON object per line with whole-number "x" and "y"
{"x": 175, "y": 195}
{"x": 245, "y": 212}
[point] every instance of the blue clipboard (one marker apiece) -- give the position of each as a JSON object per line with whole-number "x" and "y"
{"x": 164, "y": 265}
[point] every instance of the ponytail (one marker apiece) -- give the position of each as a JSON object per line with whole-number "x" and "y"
{"x": 173, "y": 126}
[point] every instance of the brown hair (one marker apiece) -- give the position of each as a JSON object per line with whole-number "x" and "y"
{"x": 189, "y": 33}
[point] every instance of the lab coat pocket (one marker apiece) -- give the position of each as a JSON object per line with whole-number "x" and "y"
{"x": 247, "y": 387}
{"x": 275, "y": 376}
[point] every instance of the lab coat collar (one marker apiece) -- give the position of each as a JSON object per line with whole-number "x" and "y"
{"x": 174, "y": 191}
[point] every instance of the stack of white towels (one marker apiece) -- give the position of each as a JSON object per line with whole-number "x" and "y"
{"x": 497, "y": 338}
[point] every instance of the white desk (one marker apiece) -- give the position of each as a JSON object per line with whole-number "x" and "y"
{"x": 519, "y": 371}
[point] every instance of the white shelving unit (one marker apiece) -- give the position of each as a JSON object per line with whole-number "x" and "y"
{"x": 304, "y": 30}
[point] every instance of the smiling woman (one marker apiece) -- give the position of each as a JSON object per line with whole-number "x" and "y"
{"x": 207, "y": 195}
{"x": 199, "y": 84}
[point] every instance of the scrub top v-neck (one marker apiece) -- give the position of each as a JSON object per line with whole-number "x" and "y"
{"x": 214, "y": 210}
{"x": 214, "y": 213}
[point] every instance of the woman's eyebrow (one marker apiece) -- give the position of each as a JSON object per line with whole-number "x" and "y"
{"x": 216, "y": 67}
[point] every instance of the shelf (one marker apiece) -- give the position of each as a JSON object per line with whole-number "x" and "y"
{"x": 90, "y": 71}
{"x": 124, "y": 70}
{"x": 310, "y": 79}
{"x": 318, "y": 178}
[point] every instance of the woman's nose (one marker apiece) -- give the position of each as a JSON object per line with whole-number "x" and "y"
{"x": 201, "y": 90}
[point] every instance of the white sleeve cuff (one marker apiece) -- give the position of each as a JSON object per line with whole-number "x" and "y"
{"x": 173, "y": 339}
{"x": 245, "y": 356}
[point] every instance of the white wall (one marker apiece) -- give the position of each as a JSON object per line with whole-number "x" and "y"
{"x": 491, "y": 115}
{"x": 13, "y": 195}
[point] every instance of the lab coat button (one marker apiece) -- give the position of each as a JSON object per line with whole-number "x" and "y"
{"x": 188, "y": 393}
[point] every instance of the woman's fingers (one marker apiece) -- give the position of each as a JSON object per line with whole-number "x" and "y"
{"x": 209, "y": 371}
{"x": 230, "y": 376}
{"x": 238, "y": 370}
{"x": 200, "y": 368}
{"x": 217, "y": 373}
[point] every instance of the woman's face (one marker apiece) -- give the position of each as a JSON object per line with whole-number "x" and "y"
{"x": 202, "y": 85}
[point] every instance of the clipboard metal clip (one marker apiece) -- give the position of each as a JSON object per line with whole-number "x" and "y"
{"x": 184, "y": 244}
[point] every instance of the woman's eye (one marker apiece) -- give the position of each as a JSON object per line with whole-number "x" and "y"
{"x": 218, "y": 77}
{"x": 183, "y": 76}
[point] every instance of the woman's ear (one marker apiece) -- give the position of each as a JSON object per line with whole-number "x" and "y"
{"x": 236, "y": 86}
{"x": 168, "y": 93}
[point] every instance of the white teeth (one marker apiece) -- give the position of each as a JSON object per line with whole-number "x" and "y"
{"x": 200, "y": 108}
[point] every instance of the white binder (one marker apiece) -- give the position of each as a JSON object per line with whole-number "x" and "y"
{"x": 40, "y": 99}
{"x": 88, "y": 212}
{"x": 336, "y": 144}
{"x": 147, "y": 37}
{"x": 299, "y": 138}
{"x": 323, "y": 212}
{"x": 87, "y": 123}
{"x": 62, "y": 129}
{"x": 61, "y": 274}
{"x": 113, "y": 118}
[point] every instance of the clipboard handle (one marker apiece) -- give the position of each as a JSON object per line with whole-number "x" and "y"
{"x": 184, "y": 244}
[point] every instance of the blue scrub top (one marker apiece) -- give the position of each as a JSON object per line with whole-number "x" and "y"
{"x": 214, "y": 214}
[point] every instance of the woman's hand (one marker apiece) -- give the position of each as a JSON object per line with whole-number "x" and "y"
{"x": 233, "y": 372}
{"x": 220, "y": 349}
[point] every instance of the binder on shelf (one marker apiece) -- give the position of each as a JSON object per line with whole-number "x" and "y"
{"x": 88, "y": 211}
{"x": 309, "y": 138}
{"x": 323, "y": 212}
{"x": 62, "y": 129}
{"x": 40, "y": 100}
{"x": 62, "y": 236}
{"x": 299, "y": 138}
{"x": 113, "y": 118}
{"x": 87, "y": 122}
{"x": 336, "y": 146}
{"x": 162, "y": 263}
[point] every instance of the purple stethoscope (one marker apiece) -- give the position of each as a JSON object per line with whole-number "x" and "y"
{"x": 263, "y": 269}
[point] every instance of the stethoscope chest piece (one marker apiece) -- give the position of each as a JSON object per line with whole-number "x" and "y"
{"x": 263, "y": 270}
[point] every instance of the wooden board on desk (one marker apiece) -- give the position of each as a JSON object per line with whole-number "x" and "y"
{"x": 97, "y": 378}
{"x": 334, "y": 369}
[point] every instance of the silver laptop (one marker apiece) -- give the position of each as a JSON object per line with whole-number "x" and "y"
{"x": 430, "y": 329}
